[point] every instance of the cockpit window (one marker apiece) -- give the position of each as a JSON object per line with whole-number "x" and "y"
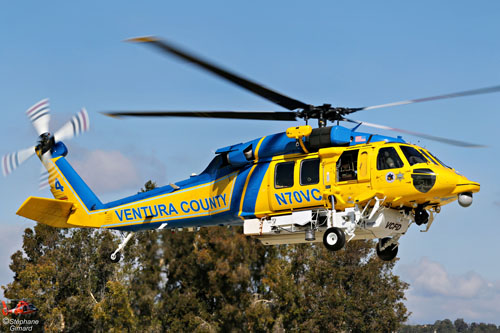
{"x": 428, "y": 157}
{"x": 388, "y": 158}
{"x": 412, "y": 155}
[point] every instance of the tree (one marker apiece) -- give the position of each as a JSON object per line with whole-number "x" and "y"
{"x": 461, "y": 325}
{"x": 315, "y": 290}
{"x": 64, "y": 273}
{"x": 447, "y": 326}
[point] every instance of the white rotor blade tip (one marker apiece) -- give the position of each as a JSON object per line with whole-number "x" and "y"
{"x": 39, "y": 115}
{"x": 78, "y": 124}
{"x": 11, "y": 161}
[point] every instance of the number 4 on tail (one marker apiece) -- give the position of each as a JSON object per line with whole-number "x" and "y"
{"x": 58, "y": 185}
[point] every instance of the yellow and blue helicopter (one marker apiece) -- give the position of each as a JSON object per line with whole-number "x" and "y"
{"x": 329, "y": 184}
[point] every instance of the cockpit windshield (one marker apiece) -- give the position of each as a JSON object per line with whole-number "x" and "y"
{"x": 412, "y": 155}
{"x": 439, "y": 161}
{"x": 428, "y": 156}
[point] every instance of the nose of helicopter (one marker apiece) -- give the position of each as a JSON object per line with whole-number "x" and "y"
{"x": 464, "y": 188}
{"x": 444, "y": 185}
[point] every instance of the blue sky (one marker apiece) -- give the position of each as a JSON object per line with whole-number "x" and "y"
{"x": 345, "y": 53}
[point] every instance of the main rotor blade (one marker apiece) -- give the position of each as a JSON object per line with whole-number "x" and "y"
{"x": 78, "y": 124}
{"x": 480, "y": 91}
{"x": 39, "y": 116}
{"x": 273, "y": 96}
{"x": 257, "y": 115}
{"x": 421, "y": 135}
{"x": 11, "y": 161}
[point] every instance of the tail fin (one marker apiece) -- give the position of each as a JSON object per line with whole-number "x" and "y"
{"x": 74, "y": 199}
{"x": 65, "y": 183}
{"x": 4, "y": 309}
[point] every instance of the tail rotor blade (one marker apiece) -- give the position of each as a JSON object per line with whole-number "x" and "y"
{"x": 11, "y": 161}
{"x": 39, "y": 115}
{"x": 78, "y": 124}
{"x": 48, "y": 172}
{"x": 43, "y": 181}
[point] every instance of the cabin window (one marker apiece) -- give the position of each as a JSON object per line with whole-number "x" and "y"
{"x": 347, "y": 166}
{"x": 309, "y": 172}
{"x": 283, "y": 175}
{"x": 412, "y": 155}
{"x": 388, "y": 158}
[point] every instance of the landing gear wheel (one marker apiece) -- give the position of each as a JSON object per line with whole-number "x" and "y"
{"x": 421, "y": 216}
{"x": 115, "y": 257}
{"x": 334, "y": 239}
{"x": 389, "y": 252}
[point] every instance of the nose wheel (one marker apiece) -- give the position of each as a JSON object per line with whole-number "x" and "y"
{"x": 334, "y": 239}
{"x": 421, "y": 216}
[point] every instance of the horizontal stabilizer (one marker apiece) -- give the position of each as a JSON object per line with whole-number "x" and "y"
{"x": 47, "y": 211}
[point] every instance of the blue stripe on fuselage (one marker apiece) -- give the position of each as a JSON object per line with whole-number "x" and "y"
{"x": 253, "y": 189}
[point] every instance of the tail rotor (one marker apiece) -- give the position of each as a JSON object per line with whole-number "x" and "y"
{"x": 39, "y": 115}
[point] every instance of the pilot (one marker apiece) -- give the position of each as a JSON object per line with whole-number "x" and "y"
{"x": 389, "y": 162}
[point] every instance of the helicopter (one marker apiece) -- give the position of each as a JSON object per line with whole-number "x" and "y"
{"x": 329, "y": 184}
{"x": 22, "y": 308}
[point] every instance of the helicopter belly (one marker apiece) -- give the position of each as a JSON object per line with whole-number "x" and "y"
{"x": 310, "y": 225}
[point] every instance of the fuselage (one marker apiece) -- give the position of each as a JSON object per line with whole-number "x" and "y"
{"x": 272, "y": 176}
{"x": 333, "y": 168}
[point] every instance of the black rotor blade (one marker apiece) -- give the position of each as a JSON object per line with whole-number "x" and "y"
{"x": 480, "y": 91}
{"x": 273, "y": 96}
{"x": 257, "y": 115}
{"x": 420, "y": 135}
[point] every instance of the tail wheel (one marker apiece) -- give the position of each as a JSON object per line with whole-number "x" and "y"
{"x": 115, "y": 257}
{"x": 334, "y": 239}
{"x": 389, "y": 252}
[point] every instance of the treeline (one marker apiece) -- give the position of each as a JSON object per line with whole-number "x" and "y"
{"x": 447, "y": 326}
{"x": 214, "y": 280}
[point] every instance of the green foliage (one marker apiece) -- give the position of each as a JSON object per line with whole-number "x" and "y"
{"x": 212, "y": 280}
{"x": 317, "y": 290}
{"x": 150, "y": 185}
{"x": 446, "y": 325}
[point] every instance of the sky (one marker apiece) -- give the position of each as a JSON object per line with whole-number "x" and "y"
{"x": 346, "y": 53}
